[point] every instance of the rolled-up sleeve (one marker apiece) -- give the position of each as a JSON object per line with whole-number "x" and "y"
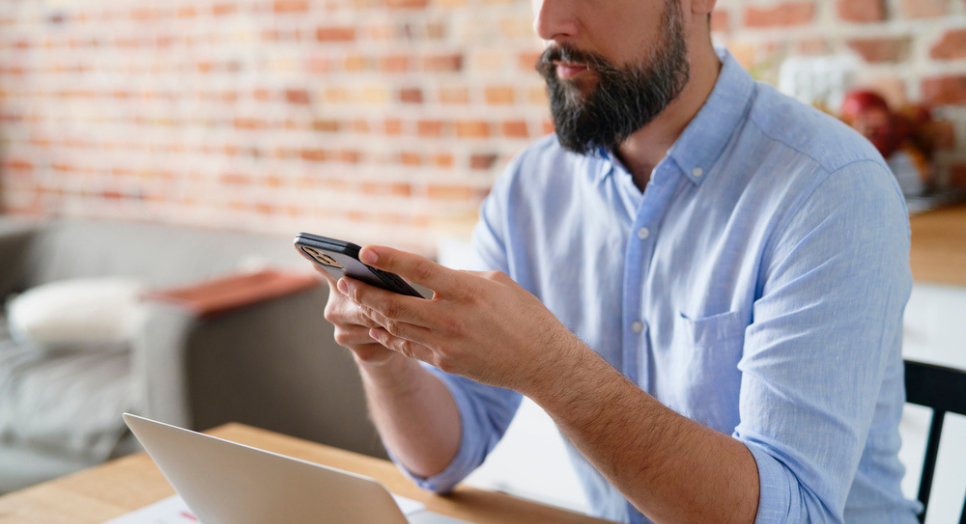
{"x": 825, "y": 330}
{"x": 485, "y": 413}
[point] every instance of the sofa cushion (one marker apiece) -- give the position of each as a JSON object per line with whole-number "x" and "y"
{"x": 68, "y": 403}
{"x": 77, "y": 314}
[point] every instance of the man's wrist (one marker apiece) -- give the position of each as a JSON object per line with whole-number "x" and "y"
{"x": 397, "y": 374}
{"x": 557, "y": 381}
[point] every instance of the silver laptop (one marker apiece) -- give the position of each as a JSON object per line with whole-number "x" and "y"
{"x": 222, "y": 481}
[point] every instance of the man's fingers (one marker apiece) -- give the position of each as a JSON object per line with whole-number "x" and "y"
{"x": 389, "y": 305}
{"x": 412, "y": 267}
{"x": 401, "y": 345}
{"x": 348, "y": 336}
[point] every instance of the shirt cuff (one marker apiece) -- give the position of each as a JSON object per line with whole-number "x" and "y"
{"x": 774, "y": 499}
{"x": 466, "y": 459}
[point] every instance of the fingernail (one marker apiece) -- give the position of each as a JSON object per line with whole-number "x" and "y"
{"x": 343, "y": 287}
{"x": 368, "y": 256}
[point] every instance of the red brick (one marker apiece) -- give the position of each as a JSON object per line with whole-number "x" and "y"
{"x": 22, "y": 165}
{"x": 454, "y": 95}
{"x": 327, "y": 126}
{"x": 297, "y": 96}
{"x": 235, "y": 179}
{"x": 224, "y": 9}
{"x": 472, "y": 129}
{"x": 861, "y": 10}
{"x": 409, "y": 158}
{"x": 315, "y": 155}
{"x": 335, "y": 34}
{"x": 429, "y": 128}
{"x": 144, "y": 14}
{"x": 482, "y": 161}
{"x": 411, "y": 95}
{"x": 951, "y": 46}
{"x": 394, "y": 64}
{"x": 443, "y": 160}
{"x": 406, "y": 4}
{"x": 381, "y": 188}
{"x": 448, "y": 192}
{"x": 548, "y": 127}
{"x": 250, "y": 123}
{"x": 515, "y": 129}
{"x": 320, "y": 65}
{"x": 780, "y": 15}
{"x": 350, "y": 156}
{"x": 923, "y": 8}
{"x": 443, "y": 63}
{"x": 393, "y": 126}
{"x": 291, "y": 6}
{"x": 528, "y": 61}
{"x": 889, "y": 49}
{"x": 944, "y": 90}
{"x": 356, "y": 63}
{"x": 499, "y": 95}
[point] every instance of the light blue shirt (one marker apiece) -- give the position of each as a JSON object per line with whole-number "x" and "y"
{"x": 756, "y": 286}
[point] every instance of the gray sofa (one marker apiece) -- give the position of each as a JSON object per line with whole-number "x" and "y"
{"x": 271, "y": 364}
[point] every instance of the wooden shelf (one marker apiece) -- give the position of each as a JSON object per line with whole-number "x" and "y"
{"x": 938, "y": 254}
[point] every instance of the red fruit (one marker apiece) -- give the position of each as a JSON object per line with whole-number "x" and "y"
{"x": 860, "y": 100}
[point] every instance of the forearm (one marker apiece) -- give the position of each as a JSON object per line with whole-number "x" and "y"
{"x": 670, "y": 467}
{"x": 414, "y": 413}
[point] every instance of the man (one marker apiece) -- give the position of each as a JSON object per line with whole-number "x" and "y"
{"x": 700, "y": 280}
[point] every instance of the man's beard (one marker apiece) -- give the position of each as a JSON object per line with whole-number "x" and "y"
{"x": 624, "y": 100}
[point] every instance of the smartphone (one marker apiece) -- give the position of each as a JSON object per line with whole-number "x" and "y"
{"x": 339, "y": 258}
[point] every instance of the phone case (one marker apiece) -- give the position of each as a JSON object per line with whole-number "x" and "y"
{"x": 340, "y": 258}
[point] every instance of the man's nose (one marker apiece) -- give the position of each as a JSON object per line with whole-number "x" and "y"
{"x": 555, "y": 20}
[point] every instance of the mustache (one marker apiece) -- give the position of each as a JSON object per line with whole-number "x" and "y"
{"x": 568, "y": 53}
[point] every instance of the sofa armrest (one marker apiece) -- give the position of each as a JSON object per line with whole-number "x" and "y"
{"x": 215, "y": 297}
{"x": 16, "y": 237}
{"x": 273, "y": 364}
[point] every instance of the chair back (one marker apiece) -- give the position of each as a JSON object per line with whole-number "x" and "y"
{"x": 944, "y": 390}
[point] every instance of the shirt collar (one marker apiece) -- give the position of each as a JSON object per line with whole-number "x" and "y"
{"x": 706, "y": 136}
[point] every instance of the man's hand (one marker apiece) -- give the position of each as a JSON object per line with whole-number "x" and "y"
{"x": 352, "y": 326}
{"x": 485, "y": 327}
{"x": 479, "y": 325}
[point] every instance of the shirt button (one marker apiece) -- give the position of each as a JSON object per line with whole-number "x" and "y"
{"x": 637, "y": 326}
{"x": 697, "y": 171}
{"x": 643, "y": 233}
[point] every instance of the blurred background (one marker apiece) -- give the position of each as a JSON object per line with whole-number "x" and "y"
{"x": 387, "y": 121}
{"x": 378, "y": 119}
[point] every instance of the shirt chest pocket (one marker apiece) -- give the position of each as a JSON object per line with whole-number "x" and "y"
{"x": 705, "y": 380}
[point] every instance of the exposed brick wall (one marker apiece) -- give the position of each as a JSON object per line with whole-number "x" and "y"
{"x": 375, "y": 120}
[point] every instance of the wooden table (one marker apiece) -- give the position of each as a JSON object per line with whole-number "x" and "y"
{"x": 104, "y": 492}
{"x": 938, "y": 252}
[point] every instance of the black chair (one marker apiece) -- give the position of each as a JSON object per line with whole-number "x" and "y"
{"x": 942, "y": 389}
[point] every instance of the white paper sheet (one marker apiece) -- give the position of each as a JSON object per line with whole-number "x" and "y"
{"x": 173, "y": 510}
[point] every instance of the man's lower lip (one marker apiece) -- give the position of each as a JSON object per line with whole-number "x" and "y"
{"x": 564, "y": 72}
